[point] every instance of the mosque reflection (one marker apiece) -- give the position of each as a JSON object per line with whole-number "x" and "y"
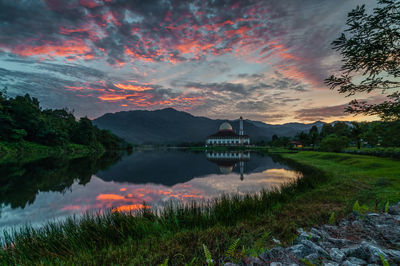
{"x": 228, "y": 160}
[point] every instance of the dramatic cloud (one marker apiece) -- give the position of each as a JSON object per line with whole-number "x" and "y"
{"x": 217, "y": 58}
{"x": 320, "y": 113}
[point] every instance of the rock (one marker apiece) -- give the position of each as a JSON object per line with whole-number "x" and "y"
{"x": 348, "y": 263}
{"x": 315, "y": 248}
{"x": 329, "y": 263}
{"x": 374, "y": 252}
{"x": 275, "y": 254}
{"x": 356, "y": 261}
{"x": 336, "y": 254}
{"x": 339, "y": 242}
{"x": 276, "y": 241}
{"x": 326, "y": 245}
{"x": 231, "y": 264}
{"x": 357, "y": 240}
{"x": 251, "y": 261}
{"x": 300, "y": 251}
{"x": 394, "y": 255}
{"x": 395, "y": 209}
{"x": 312, "y": 257}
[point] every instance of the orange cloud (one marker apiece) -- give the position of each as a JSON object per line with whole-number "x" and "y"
{"x": 110, "y": 197}
{"x": 68, "y": 48}
{"x": 114, "y": 97}
{"x": 132, "y": 87}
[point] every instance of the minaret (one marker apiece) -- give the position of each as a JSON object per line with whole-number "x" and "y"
{"x": 241, "y": 127}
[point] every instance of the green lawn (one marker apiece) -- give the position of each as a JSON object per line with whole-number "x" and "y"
{"x": 369, "y": 179}
{"x": 332, "y": 183}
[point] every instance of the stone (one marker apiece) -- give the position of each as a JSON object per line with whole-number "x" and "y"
{"x": 277, "y": 253}
{"x": 348, "y": 263}
{"x": 394, "y": 255}
{"x": 254, "y": 261}
{"x": 329, "y": 263}
{"x": 326, "y": 245}
{"x": 356, "y": 261}
{"x": 395, "y": 209}
{"x": 374, "y": 252}
{"x": 336, "y": 254}
{"x": 315, "y": 248}
{"x": 339, "y": 242}
{"x": 312, "y": 257}
{"x": 231, "y": 264}
{"x": 357, "y": 240}
{"x": 276, "y": 241}
{"x": 300, "y": 251}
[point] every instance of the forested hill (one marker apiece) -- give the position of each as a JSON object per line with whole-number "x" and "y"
{"x": 175, "y": 127}
{"x": 22, "y": 119}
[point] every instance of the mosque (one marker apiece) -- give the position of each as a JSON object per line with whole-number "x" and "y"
{"x": 227, "y": 137}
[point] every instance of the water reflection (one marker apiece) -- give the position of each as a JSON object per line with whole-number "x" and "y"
{"x": 226, "y": 160}
{"x": 50, "y": 189}
{"x": 20, "y": 183}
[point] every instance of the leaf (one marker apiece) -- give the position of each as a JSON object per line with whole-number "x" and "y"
{"x": 356, "y": 207}
{"x": 165, "y": 263}
{"x": 332, "y": 218}
{"x": 207, "y": 254}
{"x": 387, "y": 207}
{"x": 231, "y": 250}
{"x": 384, "y": 261}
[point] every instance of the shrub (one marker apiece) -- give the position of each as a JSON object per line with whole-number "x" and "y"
{"x": 334, "y": 143}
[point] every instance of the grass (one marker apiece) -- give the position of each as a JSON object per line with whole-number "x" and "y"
{"x": 24, "y": 152}
{"x": 178, "y": 234}
{"x": 393, "y": 152}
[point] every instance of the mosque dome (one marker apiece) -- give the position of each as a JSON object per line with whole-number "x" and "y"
{"x": 225, "y": 126}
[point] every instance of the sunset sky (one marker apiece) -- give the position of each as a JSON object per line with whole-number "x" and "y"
{"x": 264, "y": 60}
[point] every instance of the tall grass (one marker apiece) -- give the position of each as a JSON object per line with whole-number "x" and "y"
{"x": 97, "y": 231}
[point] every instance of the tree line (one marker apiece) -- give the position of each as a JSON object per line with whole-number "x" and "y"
{"x": 339, "y": 135}
{"x": 22, "y": 119}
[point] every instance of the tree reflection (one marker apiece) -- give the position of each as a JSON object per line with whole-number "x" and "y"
{"x": 20, "y": 183}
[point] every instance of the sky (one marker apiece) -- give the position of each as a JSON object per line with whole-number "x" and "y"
{"x": 263, "y": 60}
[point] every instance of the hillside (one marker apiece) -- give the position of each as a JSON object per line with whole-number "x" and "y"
{"x": 172, "y": 126}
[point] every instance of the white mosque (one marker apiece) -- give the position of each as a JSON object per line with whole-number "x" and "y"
{"x": 227, "y": 137}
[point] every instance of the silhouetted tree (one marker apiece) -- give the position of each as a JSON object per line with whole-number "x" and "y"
{"x": 313, "y": 135}
{"x": 371, "y": 58}
{"x": 21, "y": 118}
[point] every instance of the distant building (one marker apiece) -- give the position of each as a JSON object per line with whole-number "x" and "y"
{"x": 227, "y": 137}
{"x": 296, "y": 144}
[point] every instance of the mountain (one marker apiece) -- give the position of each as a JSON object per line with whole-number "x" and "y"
{"x": 172, "y": 126}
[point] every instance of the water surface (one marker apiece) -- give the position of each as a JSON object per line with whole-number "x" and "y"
{"x": 56, "y": 188}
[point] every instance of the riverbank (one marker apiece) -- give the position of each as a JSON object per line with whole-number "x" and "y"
{"x": 332, "y": 183}
{"x": 24, "y": 152}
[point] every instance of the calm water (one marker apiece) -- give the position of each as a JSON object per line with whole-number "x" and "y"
{"x": 54, "y": 188}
